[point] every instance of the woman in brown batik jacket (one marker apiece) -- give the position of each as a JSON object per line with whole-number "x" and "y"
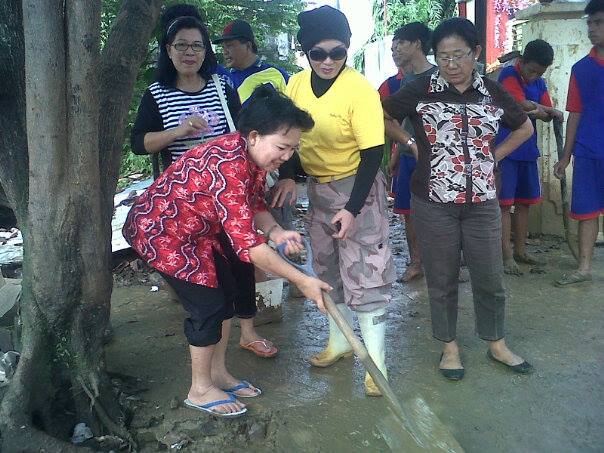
{"x": 456, "y": 113}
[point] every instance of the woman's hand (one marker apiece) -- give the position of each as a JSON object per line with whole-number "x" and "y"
{"x": 345, "y": 219}
{"x": 191, "y": 127}
{"x": 292, "y": 238}
{"x": 560, "y": 167}
{"x": 313, "y": 289}
{"x": 281, "y": 190}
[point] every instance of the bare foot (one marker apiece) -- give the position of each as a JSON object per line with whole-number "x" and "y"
{"x": 413, "y": 271}
{"x": 525, "y": 258}
{"x": 510, "y": 267}
{"x": 211, "y": 394}
{"x": 450, "y": 361}
{"x": 501, "y": 352}
{"x": 225, "y": 380}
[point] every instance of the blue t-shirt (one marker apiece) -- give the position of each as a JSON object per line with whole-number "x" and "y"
{"x": 260, "y": 73}
{"x": 535, "y": 91}
{"x": 586, "y": 96}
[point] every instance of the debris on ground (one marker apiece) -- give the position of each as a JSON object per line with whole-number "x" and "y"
{"x": 8, "y": 365}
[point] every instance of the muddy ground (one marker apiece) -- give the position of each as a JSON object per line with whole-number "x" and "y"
{"x": 303, "y": 409}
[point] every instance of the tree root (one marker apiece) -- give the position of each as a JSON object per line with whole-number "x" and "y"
{"x": 104, "y": 418}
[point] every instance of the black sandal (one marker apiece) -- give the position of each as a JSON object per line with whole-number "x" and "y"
{"x": 452, "y": 374}
{"x": 521, "y": 368}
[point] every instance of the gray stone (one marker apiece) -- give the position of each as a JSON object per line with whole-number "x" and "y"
{"x": 9, "y": 295}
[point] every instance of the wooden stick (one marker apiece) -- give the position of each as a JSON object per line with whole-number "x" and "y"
{"x": 361, "y": 352}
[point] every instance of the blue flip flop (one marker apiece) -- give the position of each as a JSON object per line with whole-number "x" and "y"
{"x": 242, "y": 385}
{"x": 208, "y": 407}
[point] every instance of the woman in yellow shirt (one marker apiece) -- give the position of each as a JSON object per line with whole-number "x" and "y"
{"x": 348, "y": 223}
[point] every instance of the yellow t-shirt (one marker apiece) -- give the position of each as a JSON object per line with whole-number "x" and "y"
{"x": 348, "y": 118}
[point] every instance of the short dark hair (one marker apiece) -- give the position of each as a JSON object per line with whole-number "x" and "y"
{"x": 165, "y": 72}
{"x": 538, "y": 51}
{"x": 415, "y": 31}
{"x": 267, "y": 111}
{"x": 594, "y": 6}
{"x": 456, "y": 26}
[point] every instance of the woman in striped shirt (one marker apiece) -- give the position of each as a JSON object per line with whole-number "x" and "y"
{"x": 187, "y": 105}
{"x": 190, "y": 104}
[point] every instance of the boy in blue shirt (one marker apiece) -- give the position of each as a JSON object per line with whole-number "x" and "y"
{"x": 519, "y": 171}
{"x": 585, "y": 141}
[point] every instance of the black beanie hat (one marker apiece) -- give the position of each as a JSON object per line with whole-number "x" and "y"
{"x": 322, "y": 23}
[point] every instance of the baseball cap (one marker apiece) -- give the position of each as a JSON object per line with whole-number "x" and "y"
{"x": 236, "y": 29}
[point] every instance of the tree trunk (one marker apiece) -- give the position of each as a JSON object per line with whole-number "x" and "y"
{"x": 65, "y": 213}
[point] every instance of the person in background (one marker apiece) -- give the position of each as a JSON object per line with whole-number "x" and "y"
{"x": 200, "y": 219}
{"x": 247, "y": 71}
{"x": 188, "y": 103}
{"x": 456, "y": 114}
{"x": 348, "y": 222}
{"x": 390, "y": 86}
{"x": 245, "y": 68}
{"x": 410, "y": 45}
{"x": 519, "y": 171}
{"x": 585, "y": 142}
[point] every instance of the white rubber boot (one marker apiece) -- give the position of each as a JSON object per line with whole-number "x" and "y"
{"x": 373, "y": 328}
{"x": 337, "y": 345}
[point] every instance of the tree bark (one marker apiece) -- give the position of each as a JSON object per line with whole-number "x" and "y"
{"x": 61, "y": 176}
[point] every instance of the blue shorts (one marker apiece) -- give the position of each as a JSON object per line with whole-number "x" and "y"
{"x": 519, "y": 182}
{"x": 588, "y": 188}
{"x": 402, "y": 192}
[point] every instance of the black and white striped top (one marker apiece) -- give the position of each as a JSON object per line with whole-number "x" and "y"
{"x": 164, "y": 108}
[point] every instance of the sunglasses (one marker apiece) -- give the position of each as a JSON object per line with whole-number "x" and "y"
{"x": 318, "y": 54}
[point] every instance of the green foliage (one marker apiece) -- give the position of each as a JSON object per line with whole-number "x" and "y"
{"x": 267, "y": 18}
{"x": 401, "y": 12}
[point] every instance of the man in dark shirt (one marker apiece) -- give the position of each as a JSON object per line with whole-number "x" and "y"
{"x": 412, "y": 44}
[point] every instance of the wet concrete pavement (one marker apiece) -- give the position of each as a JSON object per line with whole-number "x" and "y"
{"x": 557, "y": 409}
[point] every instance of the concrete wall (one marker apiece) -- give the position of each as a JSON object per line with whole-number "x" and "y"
{"x": 563, "y": 26}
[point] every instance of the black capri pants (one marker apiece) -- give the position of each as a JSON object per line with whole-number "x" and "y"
{"x": 208, "y": 307}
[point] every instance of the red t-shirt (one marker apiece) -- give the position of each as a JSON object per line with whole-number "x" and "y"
{"x": 174, "y": 224}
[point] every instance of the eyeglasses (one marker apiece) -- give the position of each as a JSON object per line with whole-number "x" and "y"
{"x": 444, "y": 61}
{"x": 318, "y": 54}
{"x": 183, "y": 46}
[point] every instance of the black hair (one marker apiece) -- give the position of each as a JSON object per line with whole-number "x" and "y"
{"x": 172, "y": 22}
{"x": 538, "y": 51}
{"x": 415, "y": 31}
{"x": 594, "y": 6}
{"x": 267, "y": 111}
{"x": 456, "y": 26}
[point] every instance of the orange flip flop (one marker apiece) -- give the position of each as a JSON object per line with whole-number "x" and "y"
{"x": 254, "y": 346}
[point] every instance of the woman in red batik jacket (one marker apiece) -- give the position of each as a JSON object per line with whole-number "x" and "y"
{"x": 198, "y": 223}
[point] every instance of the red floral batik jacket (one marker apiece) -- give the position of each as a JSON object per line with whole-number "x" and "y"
{"x": 174, "y": 225}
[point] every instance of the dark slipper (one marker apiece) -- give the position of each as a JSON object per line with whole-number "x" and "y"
{"x": 521, "y": 368}
{"x": 453, "y": 374}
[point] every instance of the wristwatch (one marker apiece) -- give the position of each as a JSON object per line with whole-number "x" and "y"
{"x": 410, "y": 142}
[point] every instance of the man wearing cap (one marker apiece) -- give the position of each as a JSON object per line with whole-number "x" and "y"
{"x": 246, "y": 69}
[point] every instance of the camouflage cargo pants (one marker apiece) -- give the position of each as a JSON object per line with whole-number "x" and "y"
{"x": 360, "y": 268}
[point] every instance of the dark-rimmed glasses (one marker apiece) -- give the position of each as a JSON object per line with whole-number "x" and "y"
{"x": 196, "y": 47}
